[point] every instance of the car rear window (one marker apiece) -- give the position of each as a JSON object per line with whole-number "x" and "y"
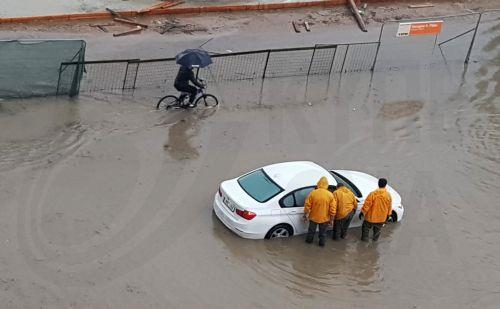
{"x": 259, "y": 186}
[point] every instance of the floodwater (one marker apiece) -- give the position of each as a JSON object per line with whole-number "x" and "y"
{"x": 106, "y": 203}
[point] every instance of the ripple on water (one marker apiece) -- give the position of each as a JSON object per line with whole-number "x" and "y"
{"x": 400, "y": 109}
{"x": 307, "y": 270}
{"x": 46, "y": 150}
{"x": 38, "y": 131}
{"x": 480, "y": 122}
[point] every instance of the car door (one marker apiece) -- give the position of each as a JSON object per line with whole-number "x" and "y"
{"x": 355, "y": 220}
{"x": 361, "y": 199}
{"x": 292, "y": 205}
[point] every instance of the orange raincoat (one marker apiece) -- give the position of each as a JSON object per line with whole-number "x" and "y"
{"x": 320, "y": 204}
{"x": 345, "y": 201}
{"x": 377, "y": 206}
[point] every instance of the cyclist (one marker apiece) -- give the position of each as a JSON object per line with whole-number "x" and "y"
{"x": 184, "y": 76}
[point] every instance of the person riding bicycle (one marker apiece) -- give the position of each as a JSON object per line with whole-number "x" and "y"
{"x": 184, "y": 76}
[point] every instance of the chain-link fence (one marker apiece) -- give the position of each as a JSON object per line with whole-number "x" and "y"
{"x": 457, "y": 41}
{"x": 31, "y": 67}
{"x": 157, "y": 73}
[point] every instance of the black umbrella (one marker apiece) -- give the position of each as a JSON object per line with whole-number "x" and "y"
{"x": 190, "y": 57}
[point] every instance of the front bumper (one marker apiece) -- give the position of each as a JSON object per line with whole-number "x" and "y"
{"x": 399, "y": 212}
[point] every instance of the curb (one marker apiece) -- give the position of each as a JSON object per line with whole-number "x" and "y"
{"x": 182, "y": 10}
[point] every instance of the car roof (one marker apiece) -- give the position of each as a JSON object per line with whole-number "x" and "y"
{"x": 297, "y": 174}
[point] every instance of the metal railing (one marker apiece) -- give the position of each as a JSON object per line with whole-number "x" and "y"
{"x": 121, "y": 75}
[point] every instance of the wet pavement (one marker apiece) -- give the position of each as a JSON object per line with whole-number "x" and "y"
{"x": 106, "y": 202}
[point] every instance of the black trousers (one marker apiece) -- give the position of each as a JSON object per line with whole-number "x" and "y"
{"x": 193, "y": 91}
{"x": 367, "y": 226}
{"x": 340, "y": 226}
{"x": 312, "y": 230}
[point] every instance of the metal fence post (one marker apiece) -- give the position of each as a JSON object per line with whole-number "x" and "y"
{"x": 59, "y": 79}
{"x": 75, "y": 82}
{"x": 473, "y": 39}
{"x": 267, "y": 61}
{"x": 312, "y": 59}
{"x": 345, "y": 57}
{"x": 333, "y": 60}
{"x": 378, "y": 46}
{"x": 136, "y": 73}
{"x": 125, "y": 77}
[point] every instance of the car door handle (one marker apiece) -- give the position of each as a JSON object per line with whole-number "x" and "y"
{"x": 294, "y": 211}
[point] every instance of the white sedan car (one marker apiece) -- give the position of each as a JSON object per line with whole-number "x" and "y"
{"x": 269, "y": 202}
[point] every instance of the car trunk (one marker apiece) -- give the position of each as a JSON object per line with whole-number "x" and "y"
{"x": 234, "y": 197}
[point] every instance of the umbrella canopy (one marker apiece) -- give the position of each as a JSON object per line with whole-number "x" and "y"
{"x": 190, "y": 57}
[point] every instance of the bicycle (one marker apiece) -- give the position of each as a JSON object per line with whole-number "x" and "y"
{"x": 182, "y": 101}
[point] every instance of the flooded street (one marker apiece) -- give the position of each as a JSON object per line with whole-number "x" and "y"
{"x": 107, "y": 202}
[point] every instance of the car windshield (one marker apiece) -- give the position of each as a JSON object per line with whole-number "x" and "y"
{"x": 259, "y": 186}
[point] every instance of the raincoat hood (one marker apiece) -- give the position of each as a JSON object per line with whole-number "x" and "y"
{"x": 320, "y": 204}
{"x": 346, "y": 202}
{"x": 323, "y": 183}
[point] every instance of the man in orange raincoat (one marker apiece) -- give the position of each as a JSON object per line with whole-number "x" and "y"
{"x": 376, "y": 211}
{"x": 319, "y": 209}
{"x": 346, "y": 204}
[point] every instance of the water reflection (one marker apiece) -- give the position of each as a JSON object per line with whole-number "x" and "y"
{"x": 186, "y": 125}
{"x": 304, "y": 269}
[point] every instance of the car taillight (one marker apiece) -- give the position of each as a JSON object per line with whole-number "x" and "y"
{"x": 220, "y": 192}
{"x": 246, "y": 214}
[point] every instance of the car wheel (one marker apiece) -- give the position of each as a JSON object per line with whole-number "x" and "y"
{"x": 280, "y": 231}
{"x": 394, "y": 216}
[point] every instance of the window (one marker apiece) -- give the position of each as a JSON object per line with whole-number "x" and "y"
{"x": 296, "y": 198}
{"x": 288, "y": 201}
{"x": 259, "y": 186}
{"x": 341, "y": 179}
{"x": 301, "y": 195}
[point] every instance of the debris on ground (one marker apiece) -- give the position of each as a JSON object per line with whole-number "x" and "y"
{"x": 160, "y": 6}
{"x": 324, "y": 13}
{"x": 306, "y": 25}
{"x": 114, "y": 13}
{"x": 129, "y": 22}
{"x": 357, "y": 15}
{"x": 135, "y": 30}
{"x": 259, "y": 21}
{"x": 102, "y": 27}
{"x": 175, "y": 26}
{"x": 420, "y": 6}
{"x": 295, "y": 26}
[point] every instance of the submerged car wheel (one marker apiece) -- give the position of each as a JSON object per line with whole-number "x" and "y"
{"x": 394, "y": 216}
{"x": 280, "y": 231}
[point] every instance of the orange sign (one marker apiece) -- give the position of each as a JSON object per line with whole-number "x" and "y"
{"x": 420, "y": 28}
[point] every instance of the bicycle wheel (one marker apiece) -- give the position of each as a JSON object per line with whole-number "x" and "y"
{"x": 208, "y": 100}
{"x": 167, "y": 102}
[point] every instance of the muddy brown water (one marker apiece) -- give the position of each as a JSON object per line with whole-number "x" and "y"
{"x": 106, "y": 203}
